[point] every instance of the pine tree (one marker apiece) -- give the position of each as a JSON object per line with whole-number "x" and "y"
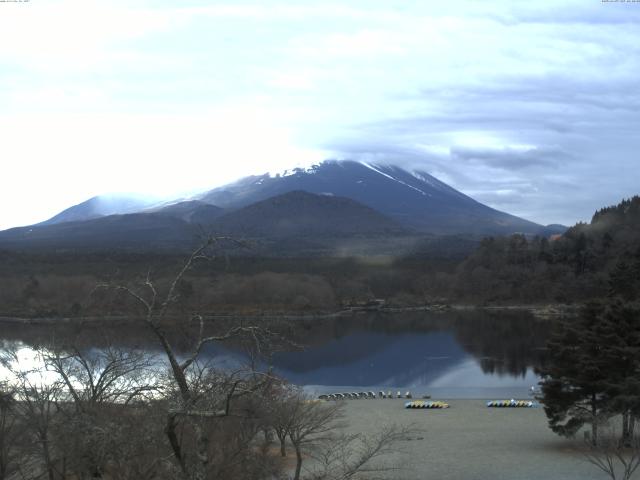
{"x": 621, "y": 333}
{"x": 573, "y": 382}
{"x": 623, "y": 281}
{"x": 592, "y": 371}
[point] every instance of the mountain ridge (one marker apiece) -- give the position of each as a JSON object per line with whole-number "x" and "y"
{"x": 300, "y": 213}
{"x": 334, "y": 199}
{"x": 419, "y": 200}
{"x": 100, "y": 206}
{"x": 293, "y": 221}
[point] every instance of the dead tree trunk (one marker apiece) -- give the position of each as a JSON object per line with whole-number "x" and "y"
{"x": 594, "y": 422}
{"x": 283, "y": 450}
{"x": 298, "y": 462}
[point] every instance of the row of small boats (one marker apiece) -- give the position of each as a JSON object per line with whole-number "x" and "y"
{"x": 423, "y": 404}
{"x": 493, "y": 403}
{"x": 511, "y": 403}
{"x": 356, "y": 395}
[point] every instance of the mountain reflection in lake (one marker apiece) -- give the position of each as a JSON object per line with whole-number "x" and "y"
{"x": 453, "y": 354}
{"x": 473, "y": 354}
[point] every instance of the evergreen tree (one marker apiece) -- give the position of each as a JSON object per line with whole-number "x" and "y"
{"x": 621, "y": 358}
{"x": 623, "y": 281}
{"x": 593, "y": 370}
{"x": 573, "y": 382}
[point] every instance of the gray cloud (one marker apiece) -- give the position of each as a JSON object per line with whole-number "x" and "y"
{"x": 511, "y": 158}
{"x": 563, "y": 145}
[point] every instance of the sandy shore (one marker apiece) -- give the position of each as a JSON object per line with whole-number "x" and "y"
{"x": 471, "y": 441}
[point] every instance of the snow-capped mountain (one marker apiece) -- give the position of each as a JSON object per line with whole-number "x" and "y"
{"x": 414, "y": 199}
{"x": 308, "y": 209}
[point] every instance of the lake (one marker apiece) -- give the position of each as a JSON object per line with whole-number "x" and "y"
{"x": 453, "y": 354}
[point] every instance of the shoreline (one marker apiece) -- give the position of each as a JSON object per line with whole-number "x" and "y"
{"x": 546, "y": 311}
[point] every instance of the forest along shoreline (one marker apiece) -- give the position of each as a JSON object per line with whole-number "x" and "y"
{"x": 549, "y": 311}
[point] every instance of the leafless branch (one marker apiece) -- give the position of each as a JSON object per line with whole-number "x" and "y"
{"x": 612, "y": 456}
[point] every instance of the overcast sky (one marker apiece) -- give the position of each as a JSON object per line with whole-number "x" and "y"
{"x": 530, "y": 107}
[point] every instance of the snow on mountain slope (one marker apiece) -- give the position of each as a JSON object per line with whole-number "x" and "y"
{"x": 417, "y": 199}
{"x": 412, "y": 199}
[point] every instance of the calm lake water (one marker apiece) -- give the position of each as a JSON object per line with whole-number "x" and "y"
{"x": 470, "y": 354}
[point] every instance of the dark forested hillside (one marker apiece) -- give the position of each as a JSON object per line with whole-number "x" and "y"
{"x": 590, "y": 260}
{"x": 303, "y": 214}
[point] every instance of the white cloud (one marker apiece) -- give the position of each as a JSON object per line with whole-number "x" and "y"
{"x": 53, "y": 161}
{"x": 228, "y": 88}
{"x": 59, "y": 36}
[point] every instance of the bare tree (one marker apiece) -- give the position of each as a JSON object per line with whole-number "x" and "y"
{"x": 317, "y": 433}
{"x": 618, "y": 459}
{"x": 80, "y": 414}
{"x": 10, "y": 432}
{"x": 282, "y": 402}
{"x": 99, "y": 387}
{"x": 105, "y": 375}
{"x": 357, "y": 455}
{"x": 193, "y": 404}
{"x": 38, "y": 408}
{"x": 312, "y": 422}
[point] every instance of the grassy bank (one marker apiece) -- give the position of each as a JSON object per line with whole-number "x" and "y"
{"x": 472, "y": 442}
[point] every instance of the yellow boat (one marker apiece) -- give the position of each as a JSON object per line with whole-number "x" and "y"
{"x": 424, "y": 404}
{"x": 511, "y": 403}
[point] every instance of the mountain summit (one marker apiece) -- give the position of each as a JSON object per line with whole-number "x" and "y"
{"x": 323, "y": 205}
{"x": 414, "y": 199}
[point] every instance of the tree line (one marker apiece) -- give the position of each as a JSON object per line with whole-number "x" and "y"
{"x": 588, "y": 261}
{"x": 583, "y": 263}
